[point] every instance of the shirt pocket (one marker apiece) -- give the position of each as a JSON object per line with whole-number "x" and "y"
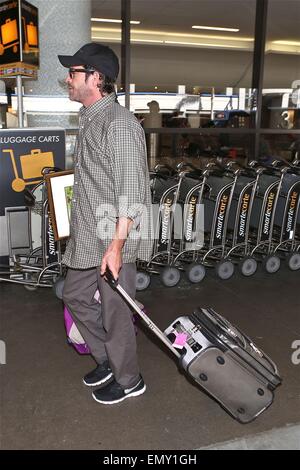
{"x": 96, "y": 147}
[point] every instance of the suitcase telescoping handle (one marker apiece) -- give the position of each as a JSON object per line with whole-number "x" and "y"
{"x": 114, "y": 284}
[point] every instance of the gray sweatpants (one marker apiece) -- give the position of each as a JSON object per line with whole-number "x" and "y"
{"x": 107, "y": 328}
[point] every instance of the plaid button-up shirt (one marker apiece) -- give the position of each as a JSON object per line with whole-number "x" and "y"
{"x": 111, "y": 180}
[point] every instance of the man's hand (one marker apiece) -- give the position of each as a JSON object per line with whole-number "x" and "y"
{"x": 112, "y": 260}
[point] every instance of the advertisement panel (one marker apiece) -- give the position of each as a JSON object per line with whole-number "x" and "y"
{"x": 19, "y": 39}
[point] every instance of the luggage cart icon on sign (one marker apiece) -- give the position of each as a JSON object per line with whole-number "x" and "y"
{"x": 9, "y": 36}
{"x": 31, "y": 166}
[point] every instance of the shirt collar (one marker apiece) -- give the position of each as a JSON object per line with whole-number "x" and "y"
{"x": 98, "y": 106}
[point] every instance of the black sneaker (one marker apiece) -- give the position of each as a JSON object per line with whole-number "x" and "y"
{"x": 114, "y": 393}
{"x": 98, "y": 376}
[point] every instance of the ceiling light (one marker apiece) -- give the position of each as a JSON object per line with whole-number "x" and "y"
{"x": 165, "y": 34}
{"x": 224, "y": 46}
{"x": 107, "y": 38}
{"x": 142, "y": 36}
{"x": 287, "y": 43}
{"x": 216, "y": 28}
{"x": 189, "y": 35}
{"x": 110, "y": 20}
{"x": 147, "y": 40}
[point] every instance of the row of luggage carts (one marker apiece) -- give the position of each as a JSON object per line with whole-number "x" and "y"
{"x": 223, "y": 217}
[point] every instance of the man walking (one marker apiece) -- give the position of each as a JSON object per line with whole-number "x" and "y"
{"x": 110, "y": 222}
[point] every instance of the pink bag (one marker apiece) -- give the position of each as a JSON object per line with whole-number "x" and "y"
{"x": 73, "y": 334}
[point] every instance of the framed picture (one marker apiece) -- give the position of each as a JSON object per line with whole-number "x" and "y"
{"x": 60, "y": 190}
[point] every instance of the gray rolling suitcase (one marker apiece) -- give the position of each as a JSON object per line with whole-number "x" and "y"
{"x": 220, "y": 358}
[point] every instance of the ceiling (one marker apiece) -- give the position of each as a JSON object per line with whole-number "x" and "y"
{"x": 178, "y": 17}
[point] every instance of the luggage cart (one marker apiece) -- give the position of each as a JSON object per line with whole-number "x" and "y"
{"x": 165, "y": 190}
{"x": 32, "y": 267}
{"x": 215, "y": 197}
{"x": 261, "y": 237}
{"x": 191, "y": 240}
{"x": 237, "y": 243}
{"x": 286, "y": 224}
{"x": 160, "y": 180}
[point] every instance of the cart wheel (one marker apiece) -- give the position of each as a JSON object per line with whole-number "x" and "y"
{"x": 195, "y": 272}
{"x": 293, "y": 261}
{"x": 225, "y": 269}
{"x": 248, "y": 266}
{"x": 170, "y": 276}
{"x": 142, "y": 280}
{"x": 271, "y": 264}
{"x": 58, "y": 287}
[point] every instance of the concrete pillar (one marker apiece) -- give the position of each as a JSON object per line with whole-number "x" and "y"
{"x": 64, "y": 26}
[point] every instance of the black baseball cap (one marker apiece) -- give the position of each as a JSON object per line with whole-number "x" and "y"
{"x": 102, "y": 58}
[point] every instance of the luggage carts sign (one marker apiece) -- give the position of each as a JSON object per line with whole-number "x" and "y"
{"x": 23, "y": 155}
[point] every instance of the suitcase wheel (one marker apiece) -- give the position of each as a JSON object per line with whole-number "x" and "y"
{"x": 203, "y": 377}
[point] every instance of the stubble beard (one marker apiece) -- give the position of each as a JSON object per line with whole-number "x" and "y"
{"x": 78, "y": 94}
{"x": 73, "y": 96}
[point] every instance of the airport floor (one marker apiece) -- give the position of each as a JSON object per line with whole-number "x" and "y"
{"x": 45, "y": 405}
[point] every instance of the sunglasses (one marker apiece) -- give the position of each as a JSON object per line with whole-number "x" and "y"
{"x": 73, "y": 71}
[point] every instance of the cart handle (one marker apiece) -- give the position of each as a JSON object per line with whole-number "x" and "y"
{"x": 50, "y": 169}
{"x": 183, "y": 165}
{"x": 115, "y": 285}
{"x": 160, "y": 167}
{"x": 110, "y": 279}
